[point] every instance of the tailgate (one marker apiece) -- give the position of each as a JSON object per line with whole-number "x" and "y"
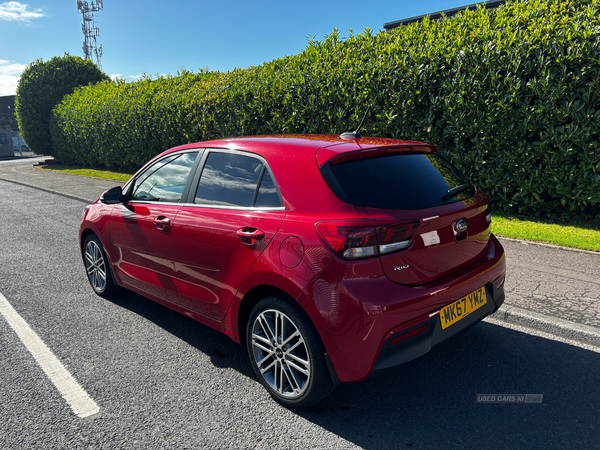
{"x": 446, "y": 239}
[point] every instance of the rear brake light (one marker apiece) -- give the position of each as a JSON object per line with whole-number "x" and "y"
{"x": 349, "y": 239}
{"x": 400, "y": 150}
{"x": 359, "y": 239}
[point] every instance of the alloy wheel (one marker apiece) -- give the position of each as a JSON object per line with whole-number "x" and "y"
{"x": 281, "y": 353}
{"x": 95, "y": 266}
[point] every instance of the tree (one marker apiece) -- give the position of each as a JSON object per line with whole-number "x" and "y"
{"x": 42, "y": 86}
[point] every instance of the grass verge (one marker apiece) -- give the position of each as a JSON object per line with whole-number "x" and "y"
{"x": 78, "y": 170}
{"x": 574, "y": 232}
{"x": 568, "y": 231}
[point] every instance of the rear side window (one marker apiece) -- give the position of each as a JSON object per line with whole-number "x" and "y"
{"x": 397, "y": 181}
{"x": 233, "y": 180}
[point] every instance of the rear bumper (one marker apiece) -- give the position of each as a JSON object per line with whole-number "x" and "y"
{"x": 364, "y": 321}
{"x": 421, "y": 338}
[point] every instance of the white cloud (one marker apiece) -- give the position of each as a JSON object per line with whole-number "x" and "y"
{"x": 11, "y": 68}
{"x": 10, "y": 72}
{"x": 114, "y": 76}
{"x": 15, "y": 11}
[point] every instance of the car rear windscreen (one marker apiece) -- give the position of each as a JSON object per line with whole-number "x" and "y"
{"x": 397, "y": 181}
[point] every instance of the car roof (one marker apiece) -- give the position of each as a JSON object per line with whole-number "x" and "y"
{"x": 326, "y": 146}
{"x": 296, "y": 158}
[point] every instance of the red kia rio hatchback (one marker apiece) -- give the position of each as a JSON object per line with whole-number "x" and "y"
{"x": 329, "y": 258}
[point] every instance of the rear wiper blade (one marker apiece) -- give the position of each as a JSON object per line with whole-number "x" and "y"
{"x": 455, "y": 191}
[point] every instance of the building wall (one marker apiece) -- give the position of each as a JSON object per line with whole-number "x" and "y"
{"x": 6, "y": 143}
{"x": 8, "y": 124}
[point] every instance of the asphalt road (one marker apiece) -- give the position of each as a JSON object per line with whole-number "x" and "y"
{"x": 554, "y": 281}
{"x": 164, "y": 381}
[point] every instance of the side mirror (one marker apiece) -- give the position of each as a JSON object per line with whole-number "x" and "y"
{"x": 113, "y": 196}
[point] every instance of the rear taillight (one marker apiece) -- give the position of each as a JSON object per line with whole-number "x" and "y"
{"x": 349, "y": 239}
{"x": 488, "y": 209}
{"x": 391, "y": 238}
{"x": 358, "y": 239}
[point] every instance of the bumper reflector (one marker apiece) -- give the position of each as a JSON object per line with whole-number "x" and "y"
{"x": 498, "y": 284}
{"x": 408, "y": 335}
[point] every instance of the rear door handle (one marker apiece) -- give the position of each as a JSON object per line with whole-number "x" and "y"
{"x": 161, "y": 222}
{"x": 249, "y": 235}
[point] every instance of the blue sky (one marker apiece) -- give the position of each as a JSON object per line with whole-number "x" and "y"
{"x": 160, "y": 37}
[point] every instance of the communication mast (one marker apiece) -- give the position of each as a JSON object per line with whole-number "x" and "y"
{"x": 91, "y": 32}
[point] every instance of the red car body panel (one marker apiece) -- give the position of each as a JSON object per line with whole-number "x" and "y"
{"x": 142, "y": 255}
{"x": 438, "y": 220}
{"x": 201, "y": 269}
{"x": 211, "y": 262}
{"x": 366, "y": 308}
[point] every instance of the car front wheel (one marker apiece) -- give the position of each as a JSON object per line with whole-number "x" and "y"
{"x": 97, "y": 268}
{"x": 287, "y": 354}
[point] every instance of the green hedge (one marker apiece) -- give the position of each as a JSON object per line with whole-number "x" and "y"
{"x": 121, "y": 125}
{"x": 510, "y": 95}
{"x": 41, "y": 86}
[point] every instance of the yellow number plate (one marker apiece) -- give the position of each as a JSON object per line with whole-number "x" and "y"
{"x": 462, "y": 308}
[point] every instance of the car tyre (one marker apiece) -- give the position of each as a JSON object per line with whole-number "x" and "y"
{"x": 287, "y": 354}
{"x": 97, "y": 268}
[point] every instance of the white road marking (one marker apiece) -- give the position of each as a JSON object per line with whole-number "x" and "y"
{"x": 541, "y": 334}
{"x": 79, "y": 401}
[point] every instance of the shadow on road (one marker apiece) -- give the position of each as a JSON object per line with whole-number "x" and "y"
{"x": 431, "y": 402}
{"x": 221, "y": 349}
